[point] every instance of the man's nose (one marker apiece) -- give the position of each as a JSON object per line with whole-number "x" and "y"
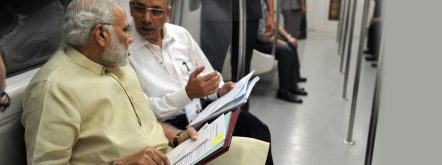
{"x": 147, "y": 16}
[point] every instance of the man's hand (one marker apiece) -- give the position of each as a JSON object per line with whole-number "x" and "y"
{"x": 292, "y": 41}
{"x": 202, "y": 86}
{"x": 270, "y": 26}
{"x": 226, "y": 88}
{"x": 147, "y": 156}
{"x": 281, "y": 42}
{"x": 188, "y": 133}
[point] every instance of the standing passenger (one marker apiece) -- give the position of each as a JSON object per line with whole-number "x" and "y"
{"x": 292, "y": 11}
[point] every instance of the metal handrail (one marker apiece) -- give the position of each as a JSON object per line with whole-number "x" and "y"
{"x": 374, "y": 109}
{"x": 354, "y": 100}
{"x": 340, "y": 23}
{"x": 349, "y": 49}
{"x": 275, "y": 32}
{"x": 344, "y": 35}
{"x": 242, "y": 38}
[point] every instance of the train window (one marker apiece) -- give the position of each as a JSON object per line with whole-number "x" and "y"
{"x": 30, "y": 32}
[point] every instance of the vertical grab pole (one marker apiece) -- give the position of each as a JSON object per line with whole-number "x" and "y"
{"x": 354, "y": 100}
{"x": 340, "y": 22}
{"x": 344, "y": 34}
{"x": 349, "y": 48}
{"x": 374, "y": 111}
{"x": 278, "y": 10}
{"x": 242, "y": 38}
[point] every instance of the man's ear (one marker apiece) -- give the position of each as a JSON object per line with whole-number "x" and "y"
{"x": 100, "y": 35}
{"x": 169, "y": 12}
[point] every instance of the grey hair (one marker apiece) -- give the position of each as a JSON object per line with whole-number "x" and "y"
{"x": 169, "y": 2}
{"x": 82, "y": 15}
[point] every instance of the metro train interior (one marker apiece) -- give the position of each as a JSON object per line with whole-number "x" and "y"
{"x": 330, "y": 119}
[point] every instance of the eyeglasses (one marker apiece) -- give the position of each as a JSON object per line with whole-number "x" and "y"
{"x": 141, "y": 10}
{"x": 5, "y": 100}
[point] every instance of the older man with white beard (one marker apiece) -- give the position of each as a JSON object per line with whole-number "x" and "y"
{"x": 85, "y": 105}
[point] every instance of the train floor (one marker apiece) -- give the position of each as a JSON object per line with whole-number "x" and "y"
{"x": 313, "y": 133}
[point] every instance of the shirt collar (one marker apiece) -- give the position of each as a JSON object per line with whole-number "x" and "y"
{"x": 139, "y": 41}
{"x": 83, "y": 61}
{"x": 168, "y": 35}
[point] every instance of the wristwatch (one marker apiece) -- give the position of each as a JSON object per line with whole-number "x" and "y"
{"x": 175, "y": 141}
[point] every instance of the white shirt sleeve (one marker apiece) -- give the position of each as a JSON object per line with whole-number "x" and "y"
{"x": 169, "y": 105}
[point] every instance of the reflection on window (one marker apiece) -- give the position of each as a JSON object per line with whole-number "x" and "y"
{"x": 30, "y": 31}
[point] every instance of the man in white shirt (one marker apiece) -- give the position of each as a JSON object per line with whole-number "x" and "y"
{"x": 175, "y": 73}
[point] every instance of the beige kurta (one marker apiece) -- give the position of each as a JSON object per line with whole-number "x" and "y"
{"x": 76, "y": 112}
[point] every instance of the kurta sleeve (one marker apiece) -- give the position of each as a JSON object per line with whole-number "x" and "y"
{"x": 52, "y": 123}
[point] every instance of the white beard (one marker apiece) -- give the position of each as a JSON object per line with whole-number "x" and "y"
{"x": 115, "y": 55}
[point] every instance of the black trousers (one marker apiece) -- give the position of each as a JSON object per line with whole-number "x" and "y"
{"x": 288, "y": 64}
{"x": 374, "y": 39}
{"x": 251, "y": 34}
{"x": 303, "y": 29}
{"x": 247, "y": 125}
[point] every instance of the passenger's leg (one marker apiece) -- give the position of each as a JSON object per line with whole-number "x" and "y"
{"x": 288, "y": 87}
{"x": 303, "y": 27}
{"x": 292, "y": 21}
{"x": 296, "y": 64}
{"x": 377, "y": 39}
{"x": 286, "y": 68}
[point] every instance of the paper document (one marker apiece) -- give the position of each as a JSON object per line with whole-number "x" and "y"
{"x": 234, "y": 98}
{"x": 237, "y": 102}
{"x": 210, "y": 138}
{"x": 189, "y": 145}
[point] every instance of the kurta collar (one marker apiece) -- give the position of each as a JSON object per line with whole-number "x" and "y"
{"x": 83, "y": 61}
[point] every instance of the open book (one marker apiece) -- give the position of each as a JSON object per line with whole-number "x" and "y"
{"x": 213, "y": 140}
{"x": 231, "y": 100}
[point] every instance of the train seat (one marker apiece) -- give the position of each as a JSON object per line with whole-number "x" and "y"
{"x": 262, "y": 63}
{"x": 12, "y": 145}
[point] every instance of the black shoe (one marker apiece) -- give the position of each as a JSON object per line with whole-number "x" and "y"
{"x": 298, "y": 91}
{"x": 370, "y": 58}
{"x": 374, "y": 65}
{"x": 287, "y": 96}
{"x": 302, "y": 79}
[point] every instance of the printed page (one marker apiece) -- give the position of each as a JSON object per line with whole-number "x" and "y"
{"x": 238, "y": 101}
{"x": 250, "y": 86}
{"x": 216, "y": 134}
{"x": 189, "y": 145}
{"x": 239, "y": 90}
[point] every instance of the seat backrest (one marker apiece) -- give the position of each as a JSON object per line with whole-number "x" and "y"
{"x": 262, "y": 63}
{"x": 12, "y": 145}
